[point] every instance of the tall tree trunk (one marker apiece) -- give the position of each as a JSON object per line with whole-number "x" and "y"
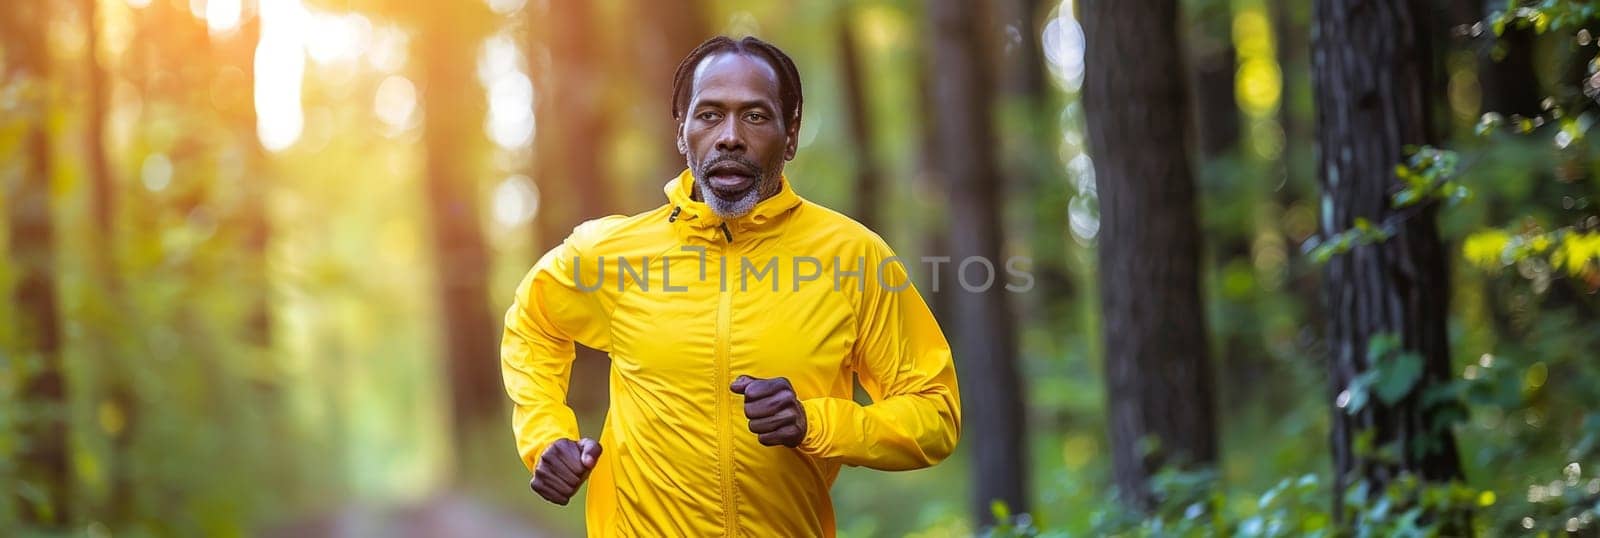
{"x": 577, "y": 100}
{"x": 42, "y": 460}
{"x": 936, "y": 232}
{"x": 1215, "y": 126}
{"x": 256, "y": 223}
{"x": 102, "y": 207}
{"x": 869, "y": 183}
{"x": 101, "y": 184}
{"x": 453, "y": 138}
{"x": 1505, "y": 68}
{"x": 1213, "y": 61}
{"x": 1157, "y": 360}
{"x": 1290, "y": 19}
{"x": 1031, "y": 135}
{"x": 569, "y": 164}
{"x": 983, "y": 319}
{"x": 1371, "y": 71}
{"x": 675, "y": 29}
{"x": 1018, "y": 24}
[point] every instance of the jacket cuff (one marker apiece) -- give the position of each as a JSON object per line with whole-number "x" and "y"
{"x": 812, "y": 444}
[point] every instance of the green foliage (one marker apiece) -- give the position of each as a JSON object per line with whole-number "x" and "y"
{"x": 1363, "y": 233}
{"x": 1393, "y": 373}
{"x": 1427, "y": 176}
{"x": 1543, "y": 15}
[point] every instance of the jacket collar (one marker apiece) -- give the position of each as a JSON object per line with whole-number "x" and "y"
{"x": 762, "y": 220}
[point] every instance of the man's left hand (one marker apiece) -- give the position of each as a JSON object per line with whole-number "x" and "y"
{"x": 773, "y": 409}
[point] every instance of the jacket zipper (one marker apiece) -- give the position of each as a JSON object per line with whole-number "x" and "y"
{"x": 724, "y": 399}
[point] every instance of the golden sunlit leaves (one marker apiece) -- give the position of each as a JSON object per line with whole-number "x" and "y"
{"x": 1575, "y": 252}
{"x": 881, "y": 27}
{"x": 1484, "y": 248}
{"x": 1259, "y": 83}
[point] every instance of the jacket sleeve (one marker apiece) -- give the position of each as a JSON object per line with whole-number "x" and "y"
{"x": 905, "y": 365}
{"x": 550, "y": 313}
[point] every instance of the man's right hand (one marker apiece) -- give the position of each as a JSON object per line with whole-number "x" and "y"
{"x": 563, "y": 467}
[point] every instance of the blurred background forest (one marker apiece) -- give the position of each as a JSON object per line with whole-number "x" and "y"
{"x": 256, "y": 252}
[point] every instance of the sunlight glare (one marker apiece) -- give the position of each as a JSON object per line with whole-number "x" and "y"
{"x": 222, "y": 15}
{"x": 516, "y": 201}
{"x": 280, "y": 66}
{"x": 505, "y": 7}
{"x": 395, "y": 102}
{"x": 1063, "y": 48}
{"x": 510, "y": 121}
{"x": 335, "y": 38}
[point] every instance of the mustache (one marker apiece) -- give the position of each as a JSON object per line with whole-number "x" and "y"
{"x": 730, "y": 163}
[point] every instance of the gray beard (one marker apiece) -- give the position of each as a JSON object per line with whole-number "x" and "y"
{"x": 730, "y": 208}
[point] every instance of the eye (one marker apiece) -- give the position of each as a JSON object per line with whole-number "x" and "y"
{"x": 708, "y": 116}
{"x": 755, "y": 117}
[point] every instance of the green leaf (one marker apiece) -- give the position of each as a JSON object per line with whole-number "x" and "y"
{"x": 1381, "y": 345}
{"x": 1397, "y": 376}
{"x": 1405, "y": 197}
{"x": 1000, "y": 510}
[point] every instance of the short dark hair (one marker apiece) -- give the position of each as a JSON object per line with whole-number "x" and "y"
{"x": 789, "y": 96}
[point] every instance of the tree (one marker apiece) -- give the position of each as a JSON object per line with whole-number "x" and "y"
{"x": 43, "y": 458}
{"x": 575, "y": 107}
{"x": 453, "y": 108}
{"x": 675, "y": 28}
{"x": 985, "y": 343}
{"x": 569, "y": 165}
{"x": 869, "y": 182}
{"x": 101, "y": 182}
{"x": 1213, "y": 61}
{"x": 1387, "y": 301}
{"x": 1158, "y": 376}
{"x": 1031, "y": 135}
{"x": 238, "y": 50}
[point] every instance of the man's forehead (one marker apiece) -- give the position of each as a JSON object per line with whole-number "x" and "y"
{"x": 735, "y": 68}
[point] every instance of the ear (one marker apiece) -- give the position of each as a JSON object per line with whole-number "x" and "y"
{"x": 792, "y": 141}
{"x": 683, "y": 145}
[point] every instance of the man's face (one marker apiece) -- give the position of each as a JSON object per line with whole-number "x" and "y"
{"x": 733, "y": 134}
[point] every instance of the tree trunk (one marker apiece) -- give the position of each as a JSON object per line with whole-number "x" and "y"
{"x": 453, "y": 139}
{"x": 101, "y": 185}
{"x": 577, "y": 103}
{"x": 1019, "y": 24}
{"x": 1031, "y": 135}
{"x": 569, "y": 163}
{"x": 868, "y": 186}
{"x": 257, "y": 225}
{"x": 1212, "y": 62}
{"x": 1505, "y": 69}
{"x": 1371, "y": 71}
{"x": 675, "y": 29}
{"x": 1215, "y": 127}
{"x": 985, "y": 344}
{"x": 935, "y": 231}
{"x": 1158, "y": 375}
{"x": 42, "y": 459}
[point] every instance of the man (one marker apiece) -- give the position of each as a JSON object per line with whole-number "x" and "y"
{"x": 731, "y": 402}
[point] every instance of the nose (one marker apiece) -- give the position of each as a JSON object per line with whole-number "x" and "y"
{"x": 729, "y": 139}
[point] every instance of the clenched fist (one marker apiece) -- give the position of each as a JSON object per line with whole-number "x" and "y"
{"x": 563, "y": 467}
{"x": 773, "y": 409}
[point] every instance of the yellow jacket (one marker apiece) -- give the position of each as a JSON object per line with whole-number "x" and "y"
{"x": 822, "y": 299}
